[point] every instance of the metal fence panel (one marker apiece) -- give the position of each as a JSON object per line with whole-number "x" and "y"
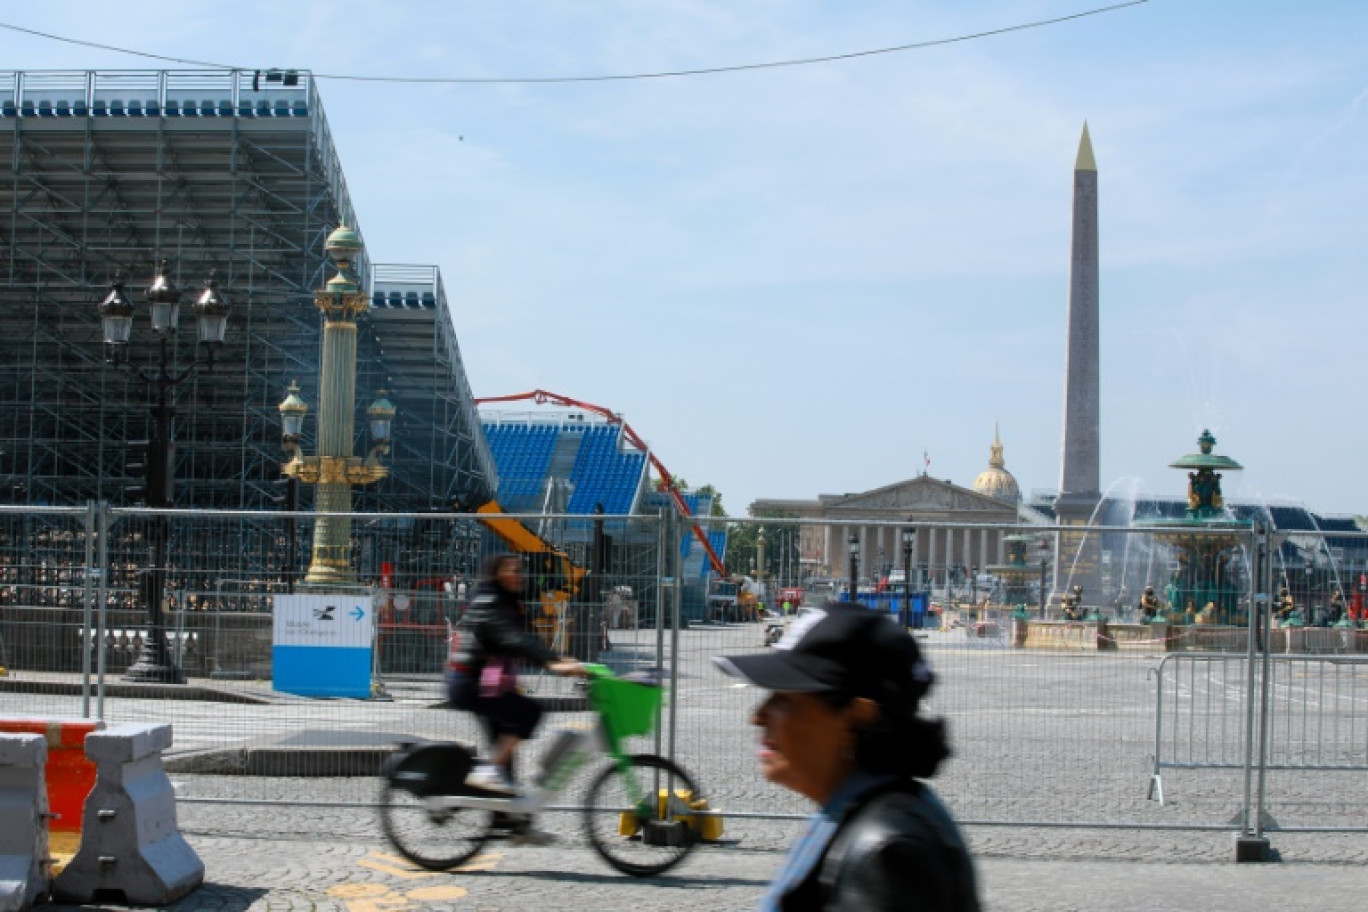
{"x": 1054, "y": 721}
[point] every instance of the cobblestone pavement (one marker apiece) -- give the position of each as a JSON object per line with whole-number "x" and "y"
{"x": 303, "y": 859}
{"x": 1038, "y": 737}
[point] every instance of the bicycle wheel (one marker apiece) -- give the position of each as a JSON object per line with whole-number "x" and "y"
{"x": 642, "y": 840}
{"x": 438, "y": 839}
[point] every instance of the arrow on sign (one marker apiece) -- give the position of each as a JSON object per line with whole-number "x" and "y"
{"x": 357, "y": 614}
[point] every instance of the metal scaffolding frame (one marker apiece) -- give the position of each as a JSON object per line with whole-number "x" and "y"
{"x": 103, "y": 179}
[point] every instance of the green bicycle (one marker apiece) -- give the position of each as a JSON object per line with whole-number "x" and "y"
{"x": 642, "y": 813}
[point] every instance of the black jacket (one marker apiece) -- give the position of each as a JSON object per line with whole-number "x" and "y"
{"x": 493, "y": 625}
{"x": 897, "y": 850}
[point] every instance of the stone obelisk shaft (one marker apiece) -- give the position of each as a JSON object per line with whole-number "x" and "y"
{"x": 1079, "y": 465}
{"x": 1078, "y": 554}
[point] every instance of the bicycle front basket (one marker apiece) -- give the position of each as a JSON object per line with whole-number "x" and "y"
{"x": 628, "y": 708}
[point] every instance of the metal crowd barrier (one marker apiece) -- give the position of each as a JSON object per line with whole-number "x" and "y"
{"x": 1315, "y": 717}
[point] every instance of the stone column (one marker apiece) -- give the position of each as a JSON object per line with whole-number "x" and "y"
{"x": 931, "y": 535}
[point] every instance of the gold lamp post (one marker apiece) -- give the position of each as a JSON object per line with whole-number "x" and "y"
{"x": 334, "y": 470}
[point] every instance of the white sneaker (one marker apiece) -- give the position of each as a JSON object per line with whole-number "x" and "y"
{"x": 491, "y": 778}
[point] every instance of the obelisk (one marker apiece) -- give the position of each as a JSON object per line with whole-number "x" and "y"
{"x": 1079, "y": 492}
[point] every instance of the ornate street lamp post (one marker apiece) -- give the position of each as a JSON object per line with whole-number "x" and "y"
{"x": 335, "y": 470}
{"x": 909, "y": 541}
{"x": 854, "y": 568}
{"x": 1044, "y": 565}
{"x": 760, "y": 554}
{"x": 158, "y": 452}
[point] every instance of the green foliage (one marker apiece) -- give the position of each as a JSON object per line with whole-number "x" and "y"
{"x": 780, "y": 554}
{"x": 717, "y": 508}
{"x": 682, "y": 486}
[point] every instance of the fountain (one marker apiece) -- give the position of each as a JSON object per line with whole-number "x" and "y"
{"x": 1018, "y": 573}
{"x": 1204, "y": 588}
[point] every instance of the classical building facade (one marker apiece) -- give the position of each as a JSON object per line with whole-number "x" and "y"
{"x": 946, "y": 515}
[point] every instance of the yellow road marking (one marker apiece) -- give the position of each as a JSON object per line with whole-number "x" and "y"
{"x": 369, "y": 897}
{"x": 485, "y": 862}
{"x": 374, "y": 897}
{"x": 377, "y": 897}
{"x": 441, "y": 893}
{"x": 404, "y": 873}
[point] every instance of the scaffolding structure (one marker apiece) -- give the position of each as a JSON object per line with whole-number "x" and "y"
{"x": 232, "y": 171}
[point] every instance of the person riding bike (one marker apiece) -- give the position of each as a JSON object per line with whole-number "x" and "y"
{"x": 482, "y": 677}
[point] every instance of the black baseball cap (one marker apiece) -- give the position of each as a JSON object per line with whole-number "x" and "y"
{"x": 838, "y": 647}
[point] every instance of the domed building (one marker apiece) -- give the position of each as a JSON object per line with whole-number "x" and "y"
{"x": 996, "y": 481}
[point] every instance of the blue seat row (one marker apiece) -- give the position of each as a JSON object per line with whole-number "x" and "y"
{"x": 522, "y": 454}
{"x": 603, "y": 474}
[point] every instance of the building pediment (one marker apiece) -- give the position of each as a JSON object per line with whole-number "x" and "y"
{"x": 920, "y": 494}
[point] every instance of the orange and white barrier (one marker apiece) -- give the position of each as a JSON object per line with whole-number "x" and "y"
{"x": 70, "y": 774}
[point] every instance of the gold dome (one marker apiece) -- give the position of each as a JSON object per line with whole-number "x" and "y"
{"x": 996, "y": 481}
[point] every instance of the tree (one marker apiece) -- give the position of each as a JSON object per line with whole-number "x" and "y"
{"x": 781, "y": 551}
{"x": 682, "y": 486}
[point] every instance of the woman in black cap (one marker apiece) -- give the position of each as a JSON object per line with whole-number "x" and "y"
{"x": 841, "y": 727}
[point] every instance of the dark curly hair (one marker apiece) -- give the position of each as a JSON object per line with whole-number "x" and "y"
{"x": 900, "y": 741}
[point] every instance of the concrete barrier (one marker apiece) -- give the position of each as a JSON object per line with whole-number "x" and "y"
{"x": 70, "y": 774}
{"x": 131, "y": 845}
{"x": 23, "y": 821}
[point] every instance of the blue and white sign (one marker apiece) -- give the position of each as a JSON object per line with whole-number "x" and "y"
{"x": 322, "y": 645}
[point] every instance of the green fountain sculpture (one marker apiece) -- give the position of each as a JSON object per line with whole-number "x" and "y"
{"x": 1205, "y": 586}
{"x": 1017, "y": 574}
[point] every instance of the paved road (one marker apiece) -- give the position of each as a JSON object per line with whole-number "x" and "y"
{"x": 273, "y": 861}
{"x": 1038, "y": 738}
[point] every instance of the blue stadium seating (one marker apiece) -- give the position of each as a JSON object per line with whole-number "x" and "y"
{"x": 603, "y": 474}
{"x": 522, "y": 454}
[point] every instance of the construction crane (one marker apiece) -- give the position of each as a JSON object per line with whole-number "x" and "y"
{"x": 666, "y": 484}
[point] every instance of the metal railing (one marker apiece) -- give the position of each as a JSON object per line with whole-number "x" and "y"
{"x": 1043, "y": 735}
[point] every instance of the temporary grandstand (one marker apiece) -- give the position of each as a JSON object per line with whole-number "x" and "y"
{"x": 231, "y": 171}
{"x": 569, "y": 462}
{"x": 235, "y": 173}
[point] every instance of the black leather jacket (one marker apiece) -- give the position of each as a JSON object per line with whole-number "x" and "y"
{"x": 493, "y": 625}
{"x": 897, "y": 850}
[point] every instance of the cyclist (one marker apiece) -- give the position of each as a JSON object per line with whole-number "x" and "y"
{"x": 482, "y": 678}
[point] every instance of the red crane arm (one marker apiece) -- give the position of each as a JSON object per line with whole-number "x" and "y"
{"x": 542, "y": 397}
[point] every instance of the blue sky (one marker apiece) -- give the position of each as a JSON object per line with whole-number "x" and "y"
{"x": 794, "y": 281}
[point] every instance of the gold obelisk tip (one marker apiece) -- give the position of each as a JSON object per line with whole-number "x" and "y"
{"x": 1085, "y": 162}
